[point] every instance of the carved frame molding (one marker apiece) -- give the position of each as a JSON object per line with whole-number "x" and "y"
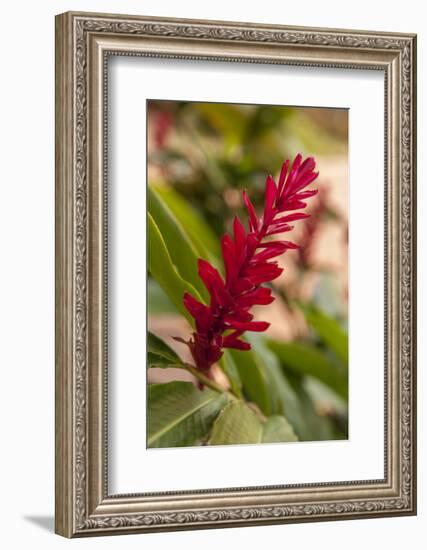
{"x": 83, "y": 44}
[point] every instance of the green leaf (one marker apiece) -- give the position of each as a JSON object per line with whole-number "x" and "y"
{"x": 270, "y": 369}
{"x": 306, "y": 359}
{"x": 182, "y": 252}
{"x": 180, "y": 415}
{"x": 254, "y": 379}
{"x": 159, "y": 354}
{"x": 277, "y": 429}
{"x": 317, "y": 428}
{"x": 230, "y": 369}
{"x": 285, "y": 400}
{"x": 335, "y": 407}
{"x": 329, "y": 331}
{"x": 163, "y": 270}
{"x": 200, "y": 233}
{"x": 237, "y": 424}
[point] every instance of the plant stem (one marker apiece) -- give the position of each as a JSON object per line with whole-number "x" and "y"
{"x": 204, "y": 379}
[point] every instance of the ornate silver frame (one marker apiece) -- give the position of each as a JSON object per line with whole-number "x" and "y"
{"x": 83, "y": 42}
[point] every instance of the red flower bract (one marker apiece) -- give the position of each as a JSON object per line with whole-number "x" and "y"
{"x": 247, "y": 261}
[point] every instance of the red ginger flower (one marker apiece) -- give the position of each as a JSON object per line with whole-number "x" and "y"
{"x": 247, "y": 261}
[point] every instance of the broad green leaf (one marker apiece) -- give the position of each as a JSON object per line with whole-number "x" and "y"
{"x": 230, "y": 368}
{"x": 264, "y": 360}
{"x": 277, "y": 429}
{"x": 286, "y": 403}
{"x": 180, "y": 415}
{"x": 159, "y": 354}
{"x": 163, "y": 270}
{"x": 305, "y": 359}
{"x": 318, "y": 427}
{"x": 203, "y": 238}
{"x": 254, "y": 379}
{"x": 284, "y": 398}
{"x": 182, "y": 252}
{"x": 270, "y": 368}
{"x": 337, "y": 408}
{"x": 329, "y": 331}
{"x": 299, "y": 409}
{"x": 237, "y": 424}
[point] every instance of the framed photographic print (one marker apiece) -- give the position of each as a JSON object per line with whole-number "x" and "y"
{"x": 235, "y": 274}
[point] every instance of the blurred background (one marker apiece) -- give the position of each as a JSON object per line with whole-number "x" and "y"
{"x": 201, "y": 156}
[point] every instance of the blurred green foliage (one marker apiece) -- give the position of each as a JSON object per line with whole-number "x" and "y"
{"x": 217, "y": 149}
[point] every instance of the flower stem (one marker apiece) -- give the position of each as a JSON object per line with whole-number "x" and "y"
{"x": 204, "y": 379}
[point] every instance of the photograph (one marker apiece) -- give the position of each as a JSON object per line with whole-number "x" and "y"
{"x": 247, "y": 274}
